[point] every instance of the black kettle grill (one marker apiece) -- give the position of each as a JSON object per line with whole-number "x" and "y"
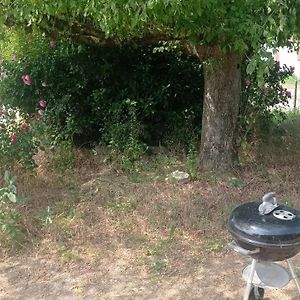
{"x": 267, "y": 232}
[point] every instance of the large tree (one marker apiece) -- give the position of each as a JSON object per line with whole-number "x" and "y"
{"x": 219, "y": 32}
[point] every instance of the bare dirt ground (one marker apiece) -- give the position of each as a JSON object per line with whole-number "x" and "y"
{"x": 114, "y": 236}
{"x": 214, "y": 277}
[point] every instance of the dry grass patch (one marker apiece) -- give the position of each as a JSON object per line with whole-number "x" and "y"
{"x": 98, "y": 213}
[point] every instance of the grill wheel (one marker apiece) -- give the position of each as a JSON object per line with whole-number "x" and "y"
{"x": 256, "y": 293}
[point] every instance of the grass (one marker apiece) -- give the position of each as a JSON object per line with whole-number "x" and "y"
{"x": 98, "y": 210}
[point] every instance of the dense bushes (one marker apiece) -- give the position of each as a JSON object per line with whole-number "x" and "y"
{"x": 114, "y": 95}
{"x": 261, "y": 103}
{"x": 126, "y": 97}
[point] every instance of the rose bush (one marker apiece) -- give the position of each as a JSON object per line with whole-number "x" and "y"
{"x": 86, "y": 94}
{"x": 17, "y": 141}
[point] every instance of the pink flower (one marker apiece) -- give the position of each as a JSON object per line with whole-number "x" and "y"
{"x": 14, "y": 57}
{"x": 40, "y": 112}
{"x": 3, "y": 75}
{"x": 288, "y": 94}
{"x": 1, "y": 62}
{"x": 13, "y": 138}
{"x": 26, "y": 79}
{"x": 52, "y": 43}
{"x": 247, "y": 82}
{"x": 43, "y": 103}
{"x": 24, "y": 126}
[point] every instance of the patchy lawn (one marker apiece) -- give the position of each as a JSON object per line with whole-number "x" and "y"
{"x": 95, "y": 232}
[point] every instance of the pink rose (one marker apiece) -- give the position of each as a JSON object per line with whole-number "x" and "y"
{"x": 14, "y": 57}
{"x": 43, "y": 103}
{"x": 52, "y": 43}
{"x": 24, "y": 126}
{"x": 3, "y": 74}
{"x": 247, "y": 82}
{"x": 40, "y": 112}
{"x": 26, "y": 79}
{"x": 13, "y": 138}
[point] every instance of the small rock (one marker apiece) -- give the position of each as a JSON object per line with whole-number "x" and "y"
{"x": 181, "y": 177}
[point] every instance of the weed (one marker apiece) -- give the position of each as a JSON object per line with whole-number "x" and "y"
{"x": 10, "y": 218}
{"x": 159, "y": 264}
{"x": 215, "y": 245}
{"x": 235, "y": 182}
{"x": 62, "y": 159}
{"x": 46, "y": 216}
{"x": 192, "y": 164}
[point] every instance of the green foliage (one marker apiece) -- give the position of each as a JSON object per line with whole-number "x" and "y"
{"x": 61, "y": 158}
{"x": 283, "y": 137}
{"x": 261, "y": 103}
{"x": 107, "y": 95}
{"x": 46, "y": 216}
{"x": 17, "y": 141}
{"x": 10, "y": 218}
{"x": 233, "y": 25}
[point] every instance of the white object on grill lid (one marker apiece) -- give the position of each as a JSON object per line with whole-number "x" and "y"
{"x": 269, "y": 203}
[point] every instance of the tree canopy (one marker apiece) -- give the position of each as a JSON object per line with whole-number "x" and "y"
{"x": 232, "y": 25}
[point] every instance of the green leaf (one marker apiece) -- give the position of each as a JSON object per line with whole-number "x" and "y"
{"x": 6, "y": 176}
{"x": 12, "y": 197}
{"x": 251, "y": 67}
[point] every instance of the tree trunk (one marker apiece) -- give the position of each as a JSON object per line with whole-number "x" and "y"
{"x": 222, "y": 88}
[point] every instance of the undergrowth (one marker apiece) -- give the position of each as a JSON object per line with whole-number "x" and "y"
{"x": 87, "y": 203}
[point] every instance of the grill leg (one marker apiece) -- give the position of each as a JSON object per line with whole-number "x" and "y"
{"x": 250, "y": 280}
{"x": 294, "y": 276}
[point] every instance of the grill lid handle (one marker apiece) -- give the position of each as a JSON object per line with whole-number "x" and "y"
{"x": 269, "y": 203}
{"x": 235, "y": 247}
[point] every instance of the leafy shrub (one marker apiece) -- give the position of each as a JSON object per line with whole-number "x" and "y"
{"x": 261, "y": 104}
{"x": 10, "y": 218}
{"x": 127, "y": 97}
{"x": 17, "y": 141}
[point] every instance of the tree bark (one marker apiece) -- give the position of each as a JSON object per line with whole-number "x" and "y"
{"x": 222, "y": 88}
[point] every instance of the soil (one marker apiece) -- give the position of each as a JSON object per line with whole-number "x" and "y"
{"x": 214, "y": 278}
{"x": 112, "y": 237}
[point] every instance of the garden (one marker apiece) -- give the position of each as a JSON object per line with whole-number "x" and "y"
{"x": 91, "y": 135}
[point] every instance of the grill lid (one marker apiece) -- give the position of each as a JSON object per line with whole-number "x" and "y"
{"x": 280, "y": 227}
